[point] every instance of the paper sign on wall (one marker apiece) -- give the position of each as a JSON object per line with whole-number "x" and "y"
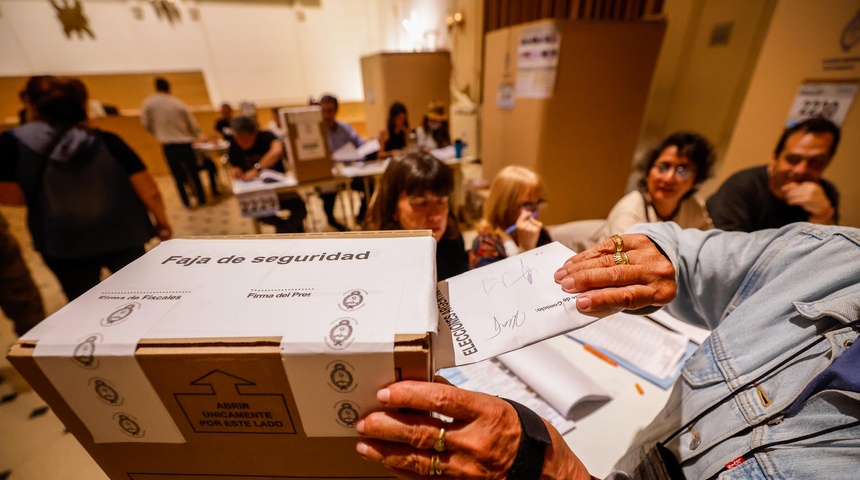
{"x": 537, "y": 58}
{"x": 827, "y": 100}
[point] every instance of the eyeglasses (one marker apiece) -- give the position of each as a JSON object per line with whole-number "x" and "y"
{"x": 427, "y": 201}
{"x": 817, "y": 162}
{"x": 534, "y": 206}
{"x": 684, "y": 172}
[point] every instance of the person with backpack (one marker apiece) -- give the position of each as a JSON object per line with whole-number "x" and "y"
{"x": 88, "y": 194}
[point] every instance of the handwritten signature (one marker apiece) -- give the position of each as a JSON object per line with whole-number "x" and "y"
{"x": 517, "y": 320}
{"x": 509, "y": 278}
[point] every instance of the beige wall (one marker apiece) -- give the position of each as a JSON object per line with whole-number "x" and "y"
{"x": 802, "y": 34}
{"x": 578, "y": 139}
{"x": 701, "y": 87}
{"x": 467, "y": 44}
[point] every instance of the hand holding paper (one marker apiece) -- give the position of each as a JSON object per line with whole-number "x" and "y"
{"x": 504, "y": 306}
{"x": 605, "y": 287}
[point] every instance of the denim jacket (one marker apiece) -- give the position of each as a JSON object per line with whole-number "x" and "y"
{"x": 766, "y": 295}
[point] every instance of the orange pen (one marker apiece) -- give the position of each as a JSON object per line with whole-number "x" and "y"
{"x": 598, "y": 354}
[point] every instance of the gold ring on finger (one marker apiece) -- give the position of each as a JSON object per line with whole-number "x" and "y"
{"x": 621, "y": 258}
{"x": 435, "y": 465}
{"x": 439, "y": 446}
{"x": 619, "y": 243}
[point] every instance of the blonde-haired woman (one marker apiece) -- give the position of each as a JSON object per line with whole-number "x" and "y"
{"x": 510, "y": 223}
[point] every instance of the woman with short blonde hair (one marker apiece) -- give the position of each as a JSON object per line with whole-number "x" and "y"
{"x": 510, "y": 223}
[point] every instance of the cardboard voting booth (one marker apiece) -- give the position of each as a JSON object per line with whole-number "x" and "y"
{"x": 307, "y": 146}
{"x": 239, "y": 358}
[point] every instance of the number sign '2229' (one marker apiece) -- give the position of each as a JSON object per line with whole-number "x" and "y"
{"x": 259, "y": 204}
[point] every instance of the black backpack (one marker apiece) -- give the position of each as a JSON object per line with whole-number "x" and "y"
{"x": 80, "y": 204}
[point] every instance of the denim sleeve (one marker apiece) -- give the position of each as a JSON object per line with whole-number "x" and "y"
{"x": 709, "y": 266}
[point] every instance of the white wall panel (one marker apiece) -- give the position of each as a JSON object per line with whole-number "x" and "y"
{"x": 263, "y": 51}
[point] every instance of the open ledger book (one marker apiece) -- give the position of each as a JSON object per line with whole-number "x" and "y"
{"x": 538, "y": 377}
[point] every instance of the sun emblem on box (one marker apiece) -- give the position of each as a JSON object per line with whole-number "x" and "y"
{"x": 128, "y": 424}
{"x": 120, "y": 314}
{"x": 340, "y": 335}
{"x": 85, "y": 351}
{"x": 340, "y": 377}
{"x": 105, "y": 391}
{"x": 347, "y": 414}
{"x": 352, "y": 300}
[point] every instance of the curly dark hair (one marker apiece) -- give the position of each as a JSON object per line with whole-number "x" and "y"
{"x": 691, "y": 146}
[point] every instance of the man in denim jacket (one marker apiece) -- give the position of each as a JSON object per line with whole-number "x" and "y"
{"x": 772, "y": 393}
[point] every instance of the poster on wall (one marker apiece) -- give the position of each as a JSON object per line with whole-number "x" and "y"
{"x": 830, "y": 100}
{"x": 506, "y": 95}
{"x": 537, "y": 59}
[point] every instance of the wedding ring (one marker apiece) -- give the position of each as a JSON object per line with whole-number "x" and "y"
{"x": 439, "y": 446}
{"x": 435, "y": 465}
{"x": 619, "y": 243}
{"x": 621, "y": 258}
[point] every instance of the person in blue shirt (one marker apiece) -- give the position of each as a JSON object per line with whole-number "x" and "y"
{"x": 774, "y": 392}
{"x": 338, "y": 134}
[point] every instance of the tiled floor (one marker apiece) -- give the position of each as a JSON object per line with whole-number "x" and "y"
{"x": 34, "y": 445}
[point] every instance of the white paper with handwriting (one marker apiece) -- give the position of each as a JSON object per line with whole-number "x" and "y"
{"x": 504, "y": 306}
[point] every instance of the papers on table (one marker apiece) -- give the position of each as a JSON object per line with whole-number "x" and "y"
{"x": 445, "y": 153}
{"x": 362, "y": 169}
{"x": 694, "y": 333}
{"x": 491, "y": 378}
{"x": 642, "y": 346}
{"x": 268, "y": 180}
{"x": 538, "y": 377}
{"x": 348, "y": 152}
{"x": 368, "y": 147}
{"x": 553, "y": 377}
{"x": 212, "y": 146}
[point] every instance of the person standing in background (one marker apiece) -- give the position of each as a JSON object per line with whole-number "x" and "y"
{"x": 89, "y": 197}
{"x": 169, "y": 120}
{"x": 338, "y": 134}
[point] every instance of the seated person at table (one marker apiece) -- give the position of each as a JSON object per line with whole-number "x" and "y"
{"x": 222, "y": 125}
{"x": 510, "y": 223}
{"x": 789, "y": 189}
{"x": 672, "y": 173}
{"x": 395, "y": 136}
{"x": 433, "y": 131}
{"x": 252, "y": 151}
{"x": 414, "y": 194}
{"x": 338, "y": 134}
{"x": 772, "y": 393}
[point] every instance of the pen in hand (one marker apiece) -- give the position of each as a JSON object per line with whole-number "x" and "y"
{"x": 513, "y": 227}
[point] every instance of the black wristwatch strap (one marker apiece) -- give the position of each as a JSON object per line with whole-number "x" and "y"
{"x": 533, "y": 442}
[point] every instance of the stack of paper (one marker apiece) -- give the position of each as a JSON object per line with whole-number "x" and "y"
{"x": 644, "y": 347}
{"x": 538, "y": 377}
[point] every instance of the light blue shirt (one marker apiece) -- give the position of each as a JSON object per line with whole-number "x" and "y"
{"x": 766, "y": 294}
{"x": 340, "y": 135}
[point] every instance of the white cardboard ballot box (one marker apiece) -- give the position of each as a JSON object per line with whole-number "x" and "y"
{"x": 242, "y": 358}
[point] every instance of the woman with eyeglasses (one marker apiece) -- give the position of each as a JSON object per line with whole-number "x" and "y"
{"x": 414, "y": 194}
{"x": 672, "y": 173}
{"x": 510, "y": 224}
